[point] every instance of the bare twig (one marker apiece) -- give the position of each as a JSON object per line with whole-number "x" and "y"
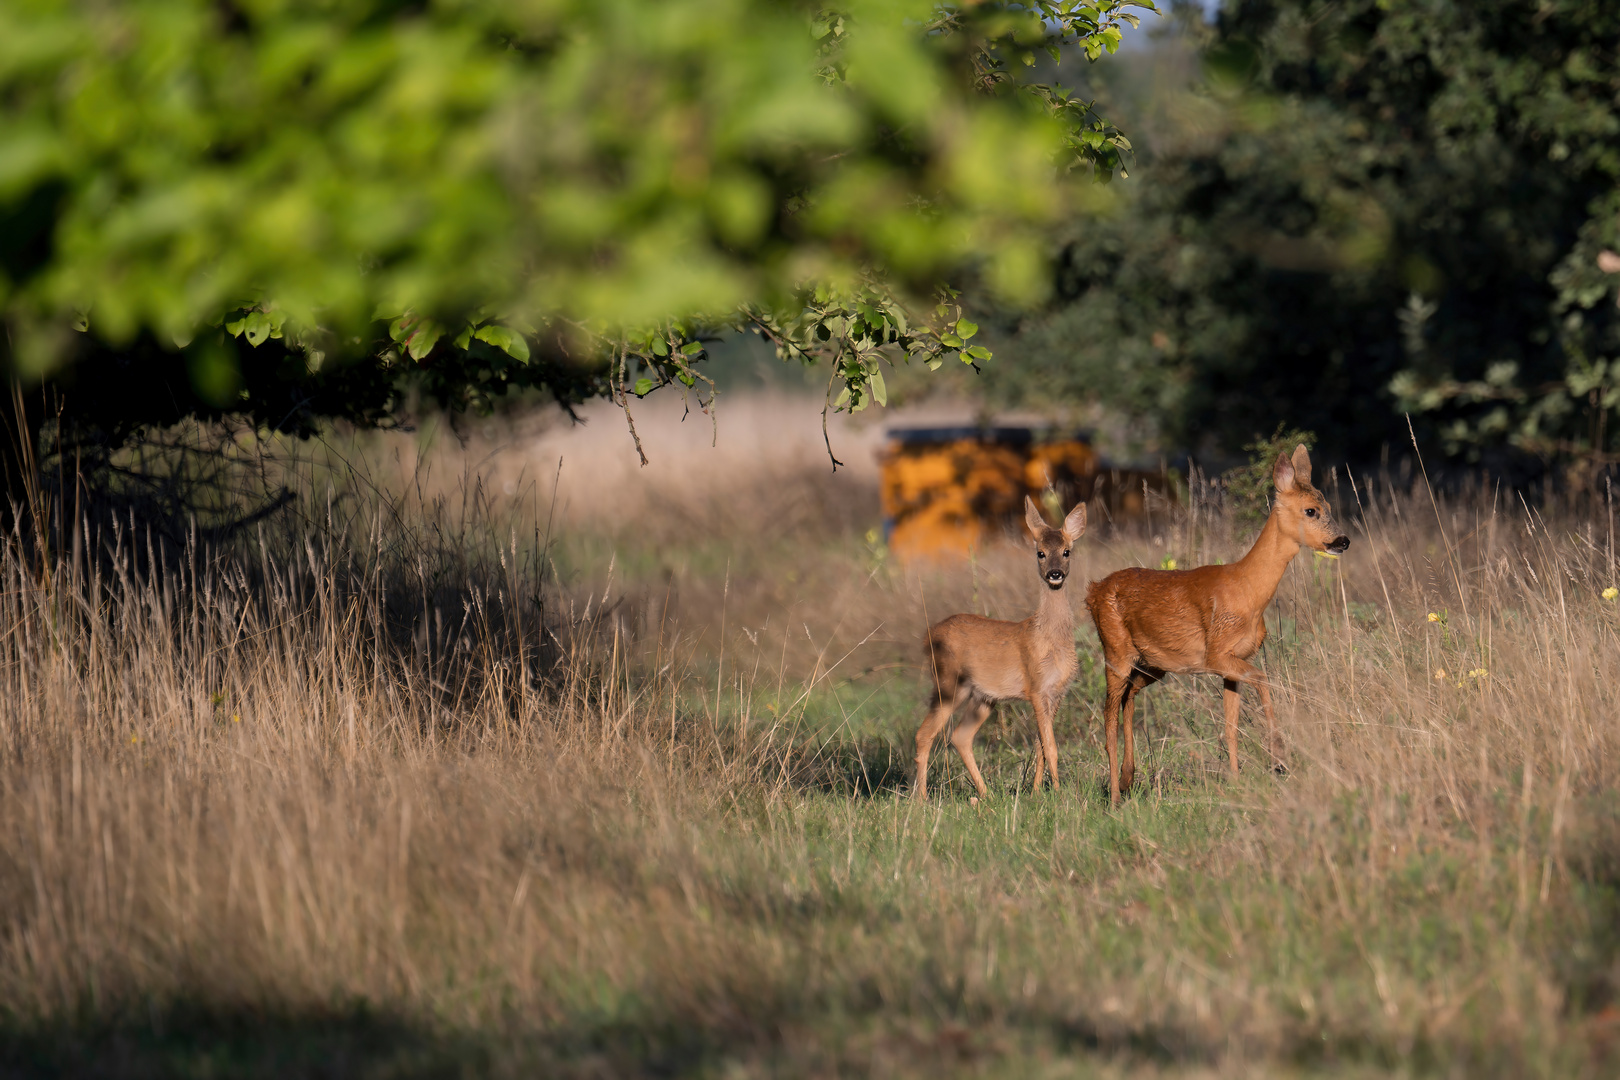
{"x": 624, "y": 402}
{"x": 825, "y": 405}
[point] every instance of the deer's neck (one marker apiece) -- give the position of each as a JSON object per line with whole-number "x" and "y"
{"x": 1261, "y": 570}
{"x": 1054, "y": 619}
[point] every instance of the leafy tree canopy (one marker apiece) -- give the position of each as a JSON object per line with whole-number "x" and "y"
{"x": 1361, "y": 208}
{"x": 284, "y": 207}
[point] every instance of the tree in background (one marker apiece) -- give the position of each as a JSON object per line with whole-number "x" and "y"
{"x": 1358, "y": 209}
{"x": 290, "y": 210}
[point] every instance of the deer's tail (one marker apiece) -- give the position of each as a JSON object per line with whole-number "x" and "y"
{"x": 940, "y": 664}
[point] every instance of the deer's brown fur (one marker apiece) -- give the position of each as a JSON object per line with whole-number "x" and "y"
{"x": 983, "y": 661}
{"x": 1210, "y": 619}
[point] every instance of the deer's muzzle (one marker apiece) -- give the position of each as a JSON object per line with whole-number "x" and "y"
{"x": 1339, "y": 546}
{"x": 1054, "y": 578}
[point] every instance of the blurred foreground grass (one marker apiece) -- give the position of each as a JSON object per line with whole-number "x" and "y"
{"x": 384, "y": 792}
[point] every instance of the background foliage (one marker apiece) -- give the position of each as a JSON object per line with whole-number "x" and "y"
{"x": 288, "y": 209}
{"x": 1350, "y": 210}
{"x": 1344, "y": 211}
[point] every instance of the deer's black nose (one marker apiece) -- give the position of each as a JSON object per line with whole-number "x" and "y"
{"x": 1339, "y": 546}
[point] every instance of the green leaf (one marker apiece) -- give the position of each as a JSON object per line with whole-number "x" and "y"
{"x": 966, "y": 329}
{"x": 255, "y": 327}
{"x": 950, "y": 341}
{"x": 505, "y": 339}
{"x": 692, "y": 348}
{"x": 976, "y": 352}
{"x": 422, "y": 341}
{"x": 643, "y": 387}
{"x": 879, "y": 391}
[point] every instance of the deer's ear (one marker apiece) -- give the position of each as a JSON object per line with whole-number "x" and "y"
{"x": 1075, "y": 524}
{"x": 1033, "y": 519}
{"x": 1282, "y": 474}
{"x": 1302, "y": 464}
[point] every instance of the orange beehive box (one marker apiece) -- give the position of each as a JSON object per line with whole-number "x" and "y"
{"x": 946, "y": 490}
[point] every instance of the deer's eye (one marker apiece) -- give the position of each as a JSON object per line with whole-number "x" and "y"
{"x": 1065, "y": 554}
{"x": 1040, "y": 554}
{"x": 1310, "y": 511}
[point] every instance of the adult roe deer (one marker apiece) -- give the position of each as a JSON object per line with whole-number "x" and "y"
{"x": 1207, "y": 620}
{"x": 990, "y": 660}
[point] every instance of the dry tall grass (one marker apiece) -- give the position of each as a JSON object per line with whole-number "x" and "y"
{"x": 334, "y": 800}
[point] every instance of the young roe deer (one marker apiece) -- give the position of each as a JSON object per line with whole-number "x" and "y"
{"x": 1207, "y": 620}
{"x": 989, "y": 660}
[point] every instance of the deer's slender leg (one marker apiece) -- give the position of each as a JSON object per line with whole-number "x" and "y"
{"x": 1273, "y": 735}
{"x": 1232, "y": 698}
{"x": 962, "y": 739}
{"x": 932, "y": 725}
{"x": 1140, "y": 679}
{"x": 1040, "y": 762}
{"x": 1116, "y": 679}
{"x": 1236, "y": 672}
{"x": 1045, "y": 755}
{"x": 1244, "y": 672}
{"x": 1127, "y": 754}
{"x": 1045, "y": 708}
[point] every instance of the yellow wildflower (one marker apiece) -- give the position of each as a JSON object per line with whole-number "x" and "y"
{"x": 1478, "y": 673}
{"x": 1440, "y": 673}
{"x": 1610, "y": 593}
{"x": 1433, "y": 617}
{"x": 1167, "y": 563}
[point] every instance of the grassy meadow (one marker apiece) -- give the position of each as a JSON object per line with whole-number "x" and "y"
{"x": 470, "y": 764}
